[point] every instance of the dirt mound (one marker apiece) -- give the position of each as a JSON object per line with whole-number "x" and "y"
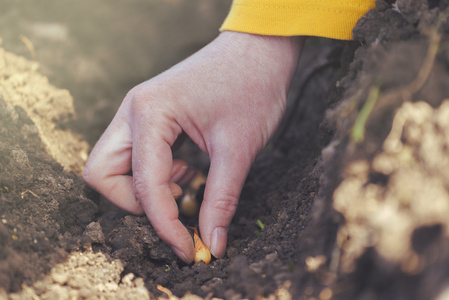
{"x": 49, "y": 109}
{"x": 349, "y": 201}
{"x": 386, "y": 171}
{"x": 43, "y": 208}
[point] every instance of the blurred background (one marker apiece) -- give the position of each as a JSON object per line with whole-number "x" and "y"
{"x": 100, "y": 49}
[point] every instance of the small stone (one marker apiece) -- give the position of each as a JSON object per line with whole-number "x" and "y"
{"x": 78, "y": 281}
{"x": 85, "y": 292}
{"x": 93, "y": 234}
{"x": 55, "y": 292}
{"x": 60, "y": 277}
{"x": 42, "y": 285}
{"x": 138, "y": 282}
{"x": 128, "y": 279}
{"x": 110, "y": 287}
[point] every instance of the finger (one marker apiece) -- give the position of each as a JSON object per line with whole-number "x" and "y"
{"x": 108, "y": 164}
{"x": 187, "y": 177}
{"x": 152, "y": 168}
{"x": 175, "y": 189}
{"x": 181, "y": 173}
{"x": 179, "y": 169}
{"x": 225, "y": 180}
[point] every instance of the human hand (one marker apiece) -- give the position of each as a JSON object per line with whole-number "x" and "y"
{"x": 228, "y": 98}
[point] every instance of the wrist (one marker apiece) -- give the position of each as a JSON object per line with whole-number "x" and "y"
{"x": 273, "y": 52}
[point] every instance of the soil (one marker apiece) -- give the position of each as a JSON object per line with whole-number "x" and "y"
{"x": 349, "y": 200}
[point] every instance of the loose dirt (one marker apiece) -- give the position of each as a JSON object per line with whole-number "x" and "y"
{"x": 352, "y": 192}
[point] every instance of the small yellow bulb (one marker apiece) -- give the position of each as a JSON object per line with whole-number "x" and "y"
{"x": 189, "y": 205}
{"x": 201, "y": 251}
{"x": 197, "y": 181}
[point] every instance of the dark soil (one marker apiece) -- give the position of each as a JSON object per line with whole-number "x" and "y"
{"x": 353, "y": 190}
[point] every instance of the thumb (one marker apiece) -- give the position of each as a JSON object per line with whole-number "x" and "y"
{"x": 225, "y": 180}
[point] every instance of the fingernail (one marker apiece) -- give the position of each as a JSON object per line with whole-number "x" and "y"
{"x": 178, "y": 172}
{"x": 218, "y": 244}
{"x": 187, "y": 176}
{"x": 180, "y": 254}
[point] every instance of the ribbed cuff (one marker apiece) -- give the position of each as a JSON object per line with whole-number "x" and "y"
{"x": 327, "y": 18}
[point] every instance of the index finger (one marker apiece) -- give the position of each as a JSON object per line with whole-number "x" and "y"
{"x": 152, "y": 165}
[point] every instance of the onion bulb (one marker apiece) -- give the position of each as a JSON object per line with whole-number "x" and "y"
{"x": 201, "y": 251}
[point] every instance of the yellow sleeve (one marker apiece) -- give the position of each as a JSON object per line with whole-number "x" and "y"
{"x": 325, "y": 18}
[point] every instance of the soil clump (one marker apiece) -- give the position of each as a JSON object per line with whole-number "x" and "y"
{"x": 349, "y": 201}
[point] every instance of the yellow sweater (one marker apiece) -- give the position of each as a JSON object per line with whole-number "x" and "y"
{"x": 325, "y": 18}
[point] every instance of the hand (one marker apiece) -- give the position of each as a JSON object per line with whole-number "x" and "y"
{"x": 229, "y": 98}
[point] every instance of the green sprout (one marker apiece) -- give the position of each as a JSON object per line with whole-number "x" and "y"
{"x": 358, "y": 131}
{"x": 260, "y": 224}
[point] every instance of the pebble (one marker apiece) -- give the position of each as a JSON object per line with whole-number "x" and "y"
{"x": 60, "y": 277}
{"x": 93, "y": 234}
{"x": 128, "y": 279}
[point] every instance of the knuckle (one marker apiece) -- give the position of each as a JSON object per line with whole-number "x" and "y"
{"x": 140, "y": 187}
{"x": 89, "y": 176}
{"x": 139, "y": 102}
{"x": 145, "y": 103}
{"x": 138, "y": 96}
{"x": 134, "y": 91}
{"x": 141, "y": 95}
{"x": 227, "y": 204}
{"x": 95, "y": 178}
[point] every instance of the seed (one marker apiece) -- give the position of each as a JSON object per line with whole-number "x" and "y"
{"x": 189, "y": 205}
{"x": 197, "y": 181}
{"x": 201, "y": 251}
